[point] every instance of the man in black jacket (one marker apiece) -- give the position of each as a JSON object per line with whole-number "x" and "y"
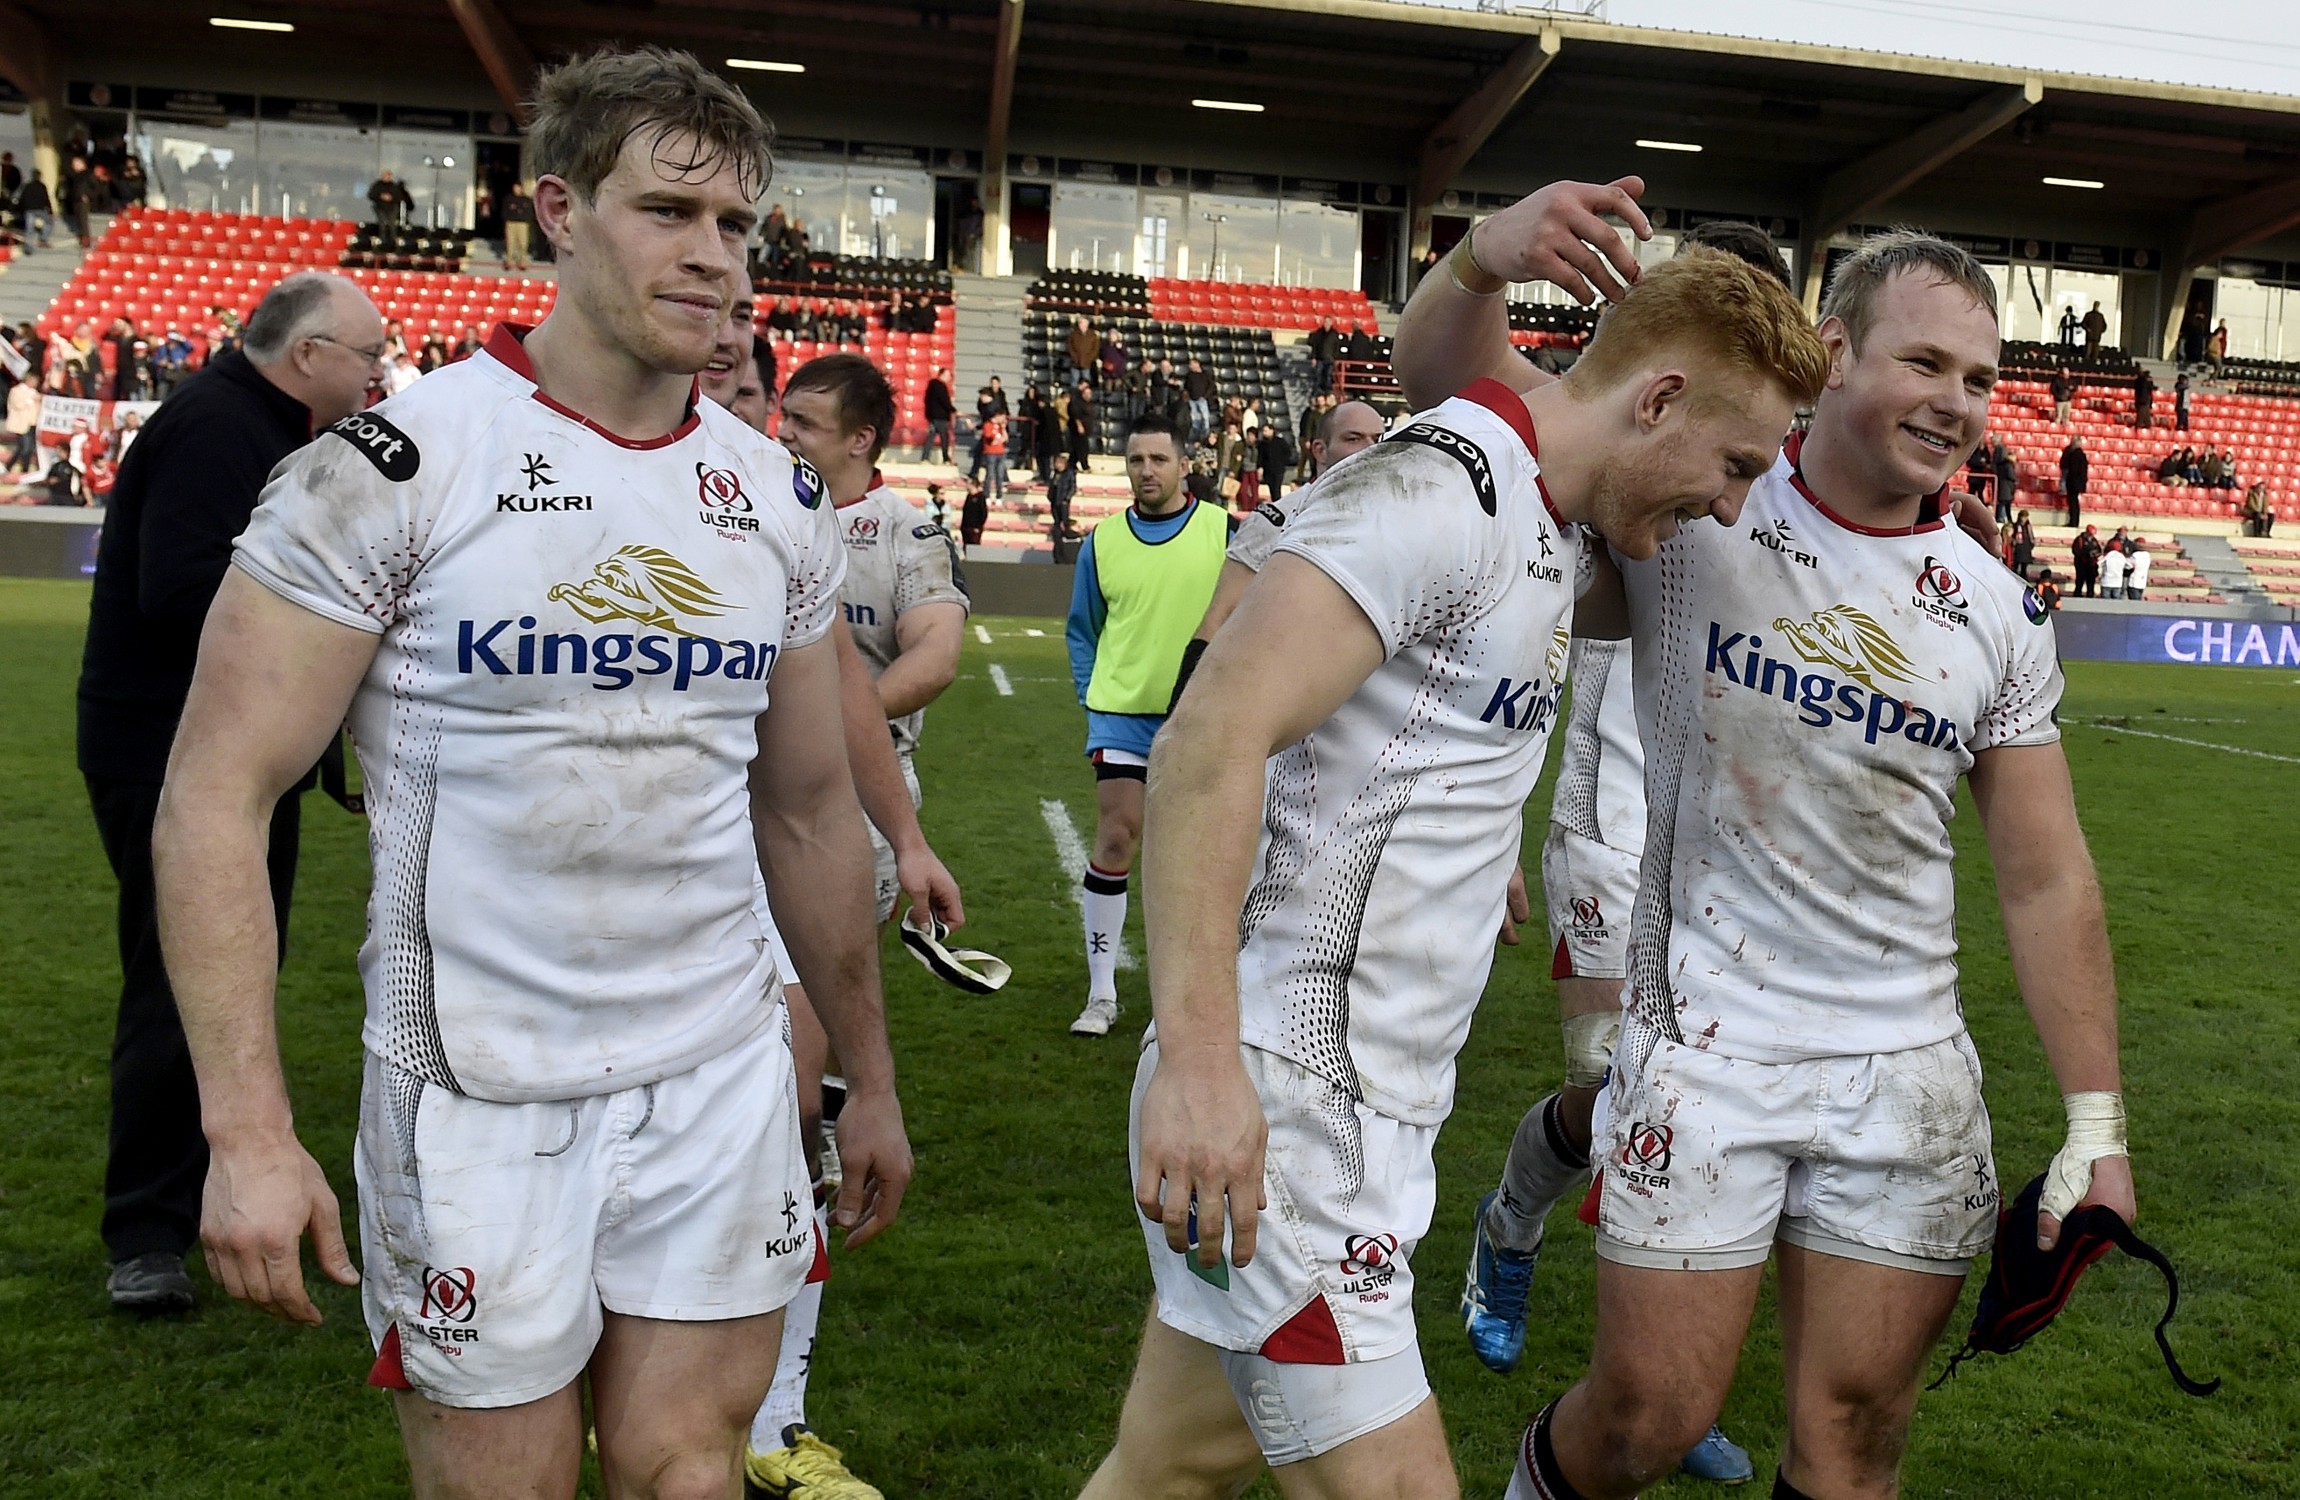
{"x": 940, "y": 409}
{"x": 2075, "y": 474}
{"x": 185, "y": 491}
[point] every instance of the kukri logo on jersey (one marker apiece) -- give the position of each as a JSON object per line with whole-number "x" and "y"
{"x": 1863, "y": 661}
{"x": 640, "y": 586}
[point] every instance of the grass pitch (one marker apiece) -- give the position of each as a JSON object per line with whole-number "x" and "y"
{"x": 982, "y": 1347}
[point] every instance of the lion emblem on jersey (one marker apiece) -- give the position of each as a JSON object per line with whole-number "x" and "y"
{"x": 1851, "y": 641}
{"x": 643, "y": 584}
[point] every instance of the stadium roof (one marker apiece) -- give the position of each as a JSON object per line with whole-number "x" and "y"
{"x": 1360, "y": 89}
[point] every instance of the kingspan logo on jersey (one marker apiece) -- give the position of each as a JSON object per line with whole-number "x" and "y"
{"x": 1850, "y": 642}
{"x": 1530, "y": 704}
{"x": 639, "y": 585}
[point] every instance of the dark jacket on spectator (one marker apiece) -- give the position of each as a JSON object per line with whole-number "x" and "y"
{"x": 939, "y": 407}
{"x": 185, "y": 491}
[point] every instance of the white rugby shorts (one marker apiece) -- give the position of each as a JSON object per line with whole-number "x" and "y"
{"x": 496, "y": 1235}
{"x": 1589, "y": 889}
{"x": 1882, "y": 1157}
{"x": 1331, "y": 1283}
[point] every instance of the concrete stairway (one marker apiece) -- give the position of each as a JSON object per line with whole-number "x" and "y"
{"x": 29, "y": 283}
{"x": 2219, "y": 565}
{"x": 989, "y": 335}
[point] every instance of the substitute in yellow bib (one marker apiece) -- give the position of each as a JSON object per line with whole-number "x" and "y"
{"x": 1144, "y": 580}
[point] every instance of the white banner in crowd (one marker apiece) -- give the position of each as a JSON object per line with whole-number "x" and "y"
{"x": 60, "y": 415}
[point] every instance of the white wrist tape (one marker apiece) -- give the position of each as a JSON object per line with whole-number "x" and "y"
{"x": 1589, "y": 1044}
{"x": 2095, "y": 1130}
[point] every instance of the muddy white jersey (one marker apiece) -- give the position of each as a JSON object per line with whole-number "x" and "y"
{"x": 1810, "y": 692}
{"x": 578, "y": 634}
{"x": 897, "y": 560}
{"x": 1391, "y": 829}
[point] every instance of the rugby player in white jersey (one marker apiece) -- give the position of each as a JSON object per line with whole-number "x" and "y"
{"x": 1310, "y": 999}
{"x": 551, "y": 587}
{"x": 905, "y": 607}
{"x": 1794, "y": 1079}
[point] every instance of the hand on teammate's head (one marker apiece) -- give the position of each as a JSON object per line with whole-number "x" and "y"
{"x": 1560, "y": 235}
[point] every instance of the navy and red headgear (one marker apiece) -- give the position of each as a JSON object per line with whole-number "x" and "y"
{"x": 2027, "y": 1287}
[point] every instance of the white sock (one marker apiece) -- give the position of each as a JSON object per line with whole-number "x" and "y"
{"x": 1105, "y": 901}
{"x": 787, "y": 1400}
{"x": 1539, "y": 1172}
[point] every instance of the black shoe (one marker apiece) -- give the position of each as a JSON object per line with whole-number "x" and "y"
{"x": 151, "y": 1285}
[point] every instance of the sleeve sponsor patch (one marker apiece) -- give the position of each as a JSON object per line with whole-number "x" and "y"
{"x": 391, "y": 451}
{"x": 928, "y": 532}
{"x": 1461, "y": 450}
{"x": 806, "y": 483}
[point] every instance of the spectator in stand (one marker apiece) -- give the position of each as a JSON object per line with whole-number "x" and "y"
{"x": 2095, "y": 329}
{"x": 1053, "y": 435}
{"x": 2075, "y": 476}
{"x": 1084, "y": 427}
{"x": 1084, "y": 346}
{"x": 172, "y": 359}
{"x": 973, "y": 515}
{"x": 2210, "y": 467}
{"x": 185, "y": 492}
{"x": 1163, "y": 392}
{"x": 23, "y": 426}
{"x": 467, "y": 344}
{"x": 518, "y": 225}
{"x": 2048, "y": 591}
{"x": 2022, "y": 540}
{"x": 434, "y": 355}
{"x": 135, "y": 379}
{"x": 1360, "y": 345}
{"x": 1346, "y": 428}
{"x": 123, "y": 340}
{"x": 1306, "y": 432}
{"x": 1980, "y": 471}
{"x": 388, "y": 199}
{"x": 2086, "y": 550}
{"x": 1274, "y": 452}
{"x": 2227, "y": 478}
{"x": 1114, "y": 363}
{"x": 2180, "y": 401}
{"x": 2113, "y": 566}
{"x": 937, "y": 509}
{"x": 771, "y": 236}
{"x": 2063, "y": 391}
{"x": 1230, "y": 463}
{"x": 1022, "y": 432}
{"x": 1136, "y": 390}
{"x": 2136, "y": 570}
{"x": 2119, "y": 543}
{"x": 2171, "y": 473}
{"x": 1250, "y": 418}
{"x": 80, "y": 200}
{"x": 2215, "y": 348}
{"x": 2144, "y": 401}
{"x": 37, "y": 212}
{"x": 403, "y": 373}
{"x": 998, "y": 402}
{"x": 11, "y": 176}
{"x": 2008, "y": 479}
{"x": 132, "y": 185}
{"x": 2191, "y": 468}
{"x": 2069, "y": 324}
{"x": 1198, "y": 388}
{"x": 941, "y": 411}
{"x": 1325, "y": 346}
{"x": 1061, "y": 488}
{"x": 994, "y": 434}
{"x": 2259, "y": 516}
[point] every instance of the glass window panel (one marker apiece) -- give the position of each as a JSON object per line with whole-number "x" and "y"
{"x": 889, "y": 212}
{"x": 2254, "y": 313}
{"x": 1158, "y": 241}
{"x": 2080, "y": 289}
{"x": 209, "y": 168}
{"x": 814, "y": 195}
{"x": 438, "y": 193}
{"x": 2028, "y": 302}
{"x": 1094, "y": 227}
{"x": 1232, "y": 239}
{"x": 16, "y": 136}
{"x": 1317, "y": 245}
{"x": 317, "y": 171}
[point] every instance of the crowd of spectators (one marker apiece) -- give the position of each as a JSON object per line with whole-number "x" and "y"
{"x": 2185, "y": 468}
{"x": 847, "y": 320}
{"x": 782, "y": 247}
{"x": 97, "y": 178}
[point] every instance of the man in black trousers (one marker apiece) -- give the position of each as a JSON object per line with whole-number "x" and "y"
{"x": 185, "y": 491}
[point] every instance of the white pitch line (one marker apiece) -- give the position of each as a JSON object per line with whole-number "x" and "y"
{"x": 998, "y": 681}
{"x": 2148, "y": 734}
{"x": 1070, "y": 850}
{"x": 1034, "y": 632}
{"x": 982, "y": 635}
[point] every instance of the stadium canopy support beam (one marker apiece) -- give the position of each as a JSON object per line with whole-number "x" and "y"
{"x": 1461, "y": 134}
{"x": 994, "y": 251}
{"x": 2219, "y": 228}
{"x": 1866, "y": 185}
{"x": 28, "y": 60}
{"x": 509, "y": 63}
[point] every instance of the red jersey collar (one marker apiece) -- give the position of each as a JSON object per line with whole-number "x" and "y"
{"x": 506, "y": 346}
{"x": 1510, "y": 407}
{"x": 876, "y": 480}
{"x": 1928, "y": 510}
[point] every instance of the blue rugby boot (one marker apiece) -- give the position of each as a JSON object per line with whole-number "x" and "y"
{"x": 1493, "y": 1298}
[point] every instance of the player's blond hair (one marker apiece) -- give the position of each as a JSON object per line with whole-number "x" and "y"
{"x": 584, "y": 110}
{"x": 1860, "y": 277}
{"x": 1712, "y": 306}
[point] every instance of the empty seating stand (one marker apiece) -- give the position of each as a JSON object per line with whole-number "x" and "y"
{"x": 400, "y": 248}
{"x": 1252, "y": 305}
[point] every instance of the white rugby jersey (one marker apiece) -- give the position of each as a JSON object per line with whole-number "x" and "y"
{"x": 1601, "y": 762}
{"x": 577, "y": 636}
{"x": 1810, "y": 691}
{"x": 1390, "y": 831}
{"x": 897, "y": 560}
